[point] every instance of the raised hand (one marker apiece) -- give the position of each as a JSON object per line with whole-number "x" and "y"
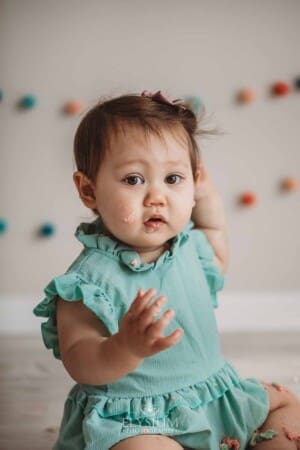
{"x": 204, "y": 185}
{"x": 139, "y": 333}
{"x": 208, "y": 215}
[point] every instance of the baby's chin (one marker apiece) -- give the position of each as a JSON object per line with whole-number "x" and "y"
{"x": 147, "y": 237}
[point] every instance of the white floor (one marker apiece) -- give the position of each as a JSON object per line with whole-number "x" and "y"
{"x": 34, "y": 385}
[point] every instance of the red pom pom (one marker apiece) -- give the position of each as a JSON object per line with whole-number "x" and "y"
{"x": 248, "y": 199}
{"x": 281, "y": 88}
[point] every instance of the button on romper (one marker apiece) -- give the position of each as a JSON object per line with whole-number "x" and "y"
{"x": 189, "y": 391}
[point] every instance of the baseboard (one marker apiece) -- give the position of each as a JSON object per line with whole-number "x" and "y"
{"x": 259, "y": 311}
{"x": 238, "y": 311}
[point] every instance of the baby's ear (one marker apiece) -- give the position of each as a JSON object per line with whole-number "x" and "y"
{"x": 197, "y": 176}
{"x": 201, "y": 173}
{"x": 85, "y": 189}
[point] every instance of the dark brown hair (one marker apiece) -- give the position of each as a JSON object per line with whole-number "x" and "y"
{"x": 110, "y": 117}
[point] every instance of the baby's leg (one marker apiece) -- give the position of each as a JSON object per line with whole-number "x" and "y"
{"x": 284, "y": 418}
{"x": 147, "y": 442}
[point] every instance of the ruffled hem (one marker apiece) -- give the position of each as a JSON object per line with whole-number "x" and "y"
{"x": 159, "y": 406}
{"x": 72, "y": 287}
{"x": 242, "y": 408}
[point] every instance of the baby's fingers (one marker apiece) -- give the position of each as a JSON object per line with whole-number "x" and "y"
{"x": 166, "y": 342}
{"x": 147, "y": 315}
{"x": 140, "y": 302}
{"x": 155, "y": 330}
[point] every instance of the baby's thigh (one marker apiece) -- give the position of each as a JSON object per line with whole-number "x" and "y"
{"x": 279, "y": 396}
{"x": 147, "y": 442}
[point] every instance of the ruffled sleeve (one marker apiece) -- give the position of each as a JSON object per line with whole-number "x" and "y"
{"x": 73, "y": 287}
{"x": 205, "y": 253}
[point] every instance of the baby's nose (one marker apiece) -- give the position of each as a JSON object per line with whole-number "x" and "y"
{"x": 155, "y": 198}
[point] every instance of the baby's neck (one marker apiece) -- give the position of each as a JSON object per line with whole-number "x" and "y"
{"x": 148, "y": 256}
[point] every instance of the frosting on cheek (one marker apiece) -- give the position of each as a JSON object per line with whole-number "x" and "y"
{"x": 129, "y": 219}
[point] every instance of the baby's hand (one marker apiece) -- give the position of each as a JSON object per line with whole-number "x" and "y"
{"x": 139, "y": 333}
{"x": 204, "y": 186}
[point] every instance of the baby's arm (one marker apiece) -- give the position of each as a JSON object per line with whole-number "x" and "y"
{"x": 92, "y": 357}
{"x": 88, "y": 353}
{"x": 209, "y": 216}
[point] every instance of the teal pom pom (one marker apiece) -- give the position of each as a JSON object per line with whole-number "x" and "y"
{"x": 3, "y": 226}
{"x": 47, "y": 229}
{"x": 195, "y": 103}
{"x": 1, "y": 95}
{"x": 28, "y": 102}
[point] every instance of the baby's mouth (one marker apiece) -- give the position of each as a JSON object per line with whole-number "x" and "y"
{"x": 155, "y": 222}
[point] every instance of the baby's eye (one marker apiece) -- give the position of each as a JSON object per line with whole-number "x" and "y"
{"x": 173, "y": 179}
{"x": 133, "y": 179}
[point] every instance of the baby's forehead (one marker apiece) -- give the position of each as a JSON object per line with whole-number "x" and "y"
{"x": 169, "y": 143}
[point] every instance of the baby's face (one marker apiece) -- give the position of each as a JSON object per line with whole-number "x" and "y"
{"x": 139, "y": 179}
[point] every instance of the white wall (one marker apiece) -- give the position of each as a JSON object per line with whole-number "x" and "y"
{"x": 67, "y": 49}
{"x": 238, "y": 311}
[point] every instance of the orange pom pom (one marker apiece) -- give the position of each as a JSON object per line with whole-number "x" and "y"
{"x": 74, "y": 107}
{"x": 248, "y": 199}
{"x": 246, "y": 96}
{"x": 290, "y": 184}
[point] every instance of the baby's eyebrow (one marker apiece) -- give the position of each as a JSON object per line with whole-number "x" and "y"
{"x": 144, "y": 163}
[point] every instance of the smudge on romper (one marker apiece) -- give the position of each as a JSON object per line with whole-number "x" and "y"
{"x": 263, "y": 436}
{"x": 229, "y": 444}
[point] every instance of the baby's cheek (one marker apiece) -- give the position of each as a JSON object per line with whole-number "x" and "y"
{"x": 187, "y": 204}
{"x": 125, "y": 214}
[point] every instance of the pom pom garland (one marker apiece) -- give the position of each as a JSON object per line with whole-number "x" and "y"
{"x": 46, "y": 230}
{"x": 246, "y": 96}
{"x": 280, "y": 89}
{"x": 289, "y": 184}
{"x": 248, "y": 198}
{"x": 3, "y": 226}
{"x": 28, "y": 102}
{"x": 73, "y": 107}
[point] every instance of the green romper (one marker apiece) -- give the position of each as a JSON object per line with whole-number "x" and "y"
{"x": 189, "y": 391}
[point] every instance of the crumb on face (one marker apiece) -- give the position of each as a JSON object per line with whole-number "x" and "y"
{"x": 129, "y": 219}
